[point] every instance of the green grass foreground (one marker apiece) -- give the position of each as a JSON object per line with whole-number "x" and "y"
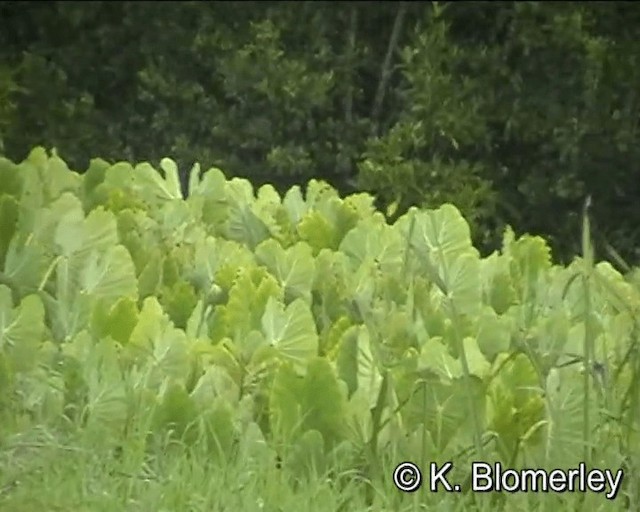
{"x": 87, "y": 472}
{"x": 44, "y": 472}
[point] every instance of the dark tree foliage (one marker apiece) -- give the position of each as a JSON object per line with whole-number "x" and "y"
{"x": 513, "y": 111}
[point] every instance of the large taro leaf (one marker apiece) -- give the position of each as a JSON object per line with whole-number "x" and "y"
{"x": 328, "y": 221}
{"x": 317, "y": 231}
{"x": 211, "y": 201}
{"x": 493, "y": 333}
{"x": 196, "y": 326}
{"x": 372, "y": 402}
{"x": 294, "y": 204}
{"x": 248, "y": 297}
{"x": 25, "y": 262}
{"x": 357, "y": 366}
{"x": 561, "y": 441}
{"x": 176, "y": 412}
{"x": 319, "y": 193}
{"x": 151, "y": 186}
{"x": 160, "y": 350}
{"x": 443, "y": 232}
{"x": 332, "y": 285}
{"x": 215, "y": 398}
{"x": 254, "y": 450}
{"x": 92, "y": 261}
{"x": 8, "y": 223}
{"x": 498, "y": 288}
{"x": 442, "y": 407}
{"x": 530, "y": 257}
{"x": 117, "y": 321}
{"x": 29, "y": 252}
{"x": 51, "y": 175}
{"x": 435, "y": 356}
{"x": 21, "y": 329}
{"x": 373, "y": 239}
{"x": 107, "y": 404}
{"x": 179, "y": 301}
{"x": 109, "y": 275}
{"x": 246, "y": 227}
{"x": 619, "y": 294}
{"x": 294, "y": 267}
{"x": 217, "y": 262}
{"x": 91, "y": 266}
{"x": 243, "y": 224}
{"x": 313, "y": 402}
{"x": 443, "y": 245}
{"x": 218, "y": 420}
{"x": 268, "y": 207}
{"x": 307, "y": 456}
{"x": 215, "y": 382}
{"x": 211, "y": 183}
{"x": 363, "y": 284}
{"x": 177, "y": 224}
{"x": 515, "y": 406}
{"x": 291, "y": 331}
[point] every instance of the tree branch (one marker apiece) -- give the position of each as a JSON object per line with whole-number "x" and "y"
{"x": 385, "y": 73}
{"x": 344, "y": 163}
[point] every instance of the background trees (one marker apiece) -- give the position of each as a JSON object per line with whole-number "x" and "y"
{"x": 514, "y": 111}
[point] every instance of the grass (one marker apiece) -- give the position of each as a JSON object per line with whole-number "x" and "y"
{"x": 91, "y": 470}
{"x": 79, "y": 472}
{"x": 86, "y": 471}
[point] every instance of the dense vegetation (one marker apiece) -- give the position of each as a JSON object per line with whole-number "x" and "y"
{"x": 249, "y": 328}
{"x": 512, "y": 111}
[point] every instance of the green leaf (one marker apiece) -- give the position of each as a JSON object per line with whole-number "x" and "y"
{"x": 293, "y": 267}
{"x": 435, "y": 356}
{"x": 317, "y": 231}
{"x": 372, "y": 239}
{"x": 150, "y": 185}
{"x": 307, "y": 455}
{"x": 515, "y": 405}
{"x": 156, "y": 342}
{"x": 117, "y": 321}
{"x": 441, "y": 238}
{"x": 497, "y": 283}
{"x": 494, "y": 333}
{"x": 171, "y": 176}
{"x": 291, "y": 331}
{"x": 442, "y": 408}
{"x": 478, "y": 364}
{"x": 315, "y": 401}
{"x": 177, "y": 412}
{"x": 443, "y": 233}
{"x": 220, "y": 430}
{"x": 110, "y": 275}
{"x": 107, "y": 404}
{"x": 248, "y": 298}
{"x": 8, "y": 223}
{"x": 21, "y": 329}
{"x": 213, "y": 383}
{"x": 179, "y": 301}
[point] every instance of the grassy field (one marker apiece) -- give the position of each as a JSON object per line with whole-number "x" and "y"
{"x": 85, "y": 471}
{"x": 91, "y": 470}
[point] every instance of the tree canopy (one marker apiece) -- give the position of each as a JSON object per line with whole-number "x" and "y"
{"x": 513, "y": 111}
